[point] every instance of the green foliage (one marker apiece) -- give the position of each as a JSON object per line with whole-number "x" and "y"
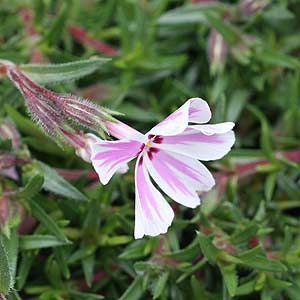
{"x": 5, "y": 275}
{"x": 68, "y": 237}
{"x": 62, "y": 72}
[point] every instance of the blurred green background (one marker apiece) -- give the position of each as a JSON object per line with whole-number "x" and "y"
{"x": 76, "y": 237}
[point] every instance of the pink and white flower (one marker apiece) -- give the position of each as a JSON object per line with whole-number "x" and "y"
{"x": 169, "y": 153}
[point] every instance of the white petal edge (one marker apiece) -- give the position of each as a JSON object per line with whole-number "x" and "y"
{"x": 153, "y": 214}
{"x": 194, "y": 110}
{"x": 110, "y": 156}
{"x": 194, "y": 143}
{"x": 180, "y": 177}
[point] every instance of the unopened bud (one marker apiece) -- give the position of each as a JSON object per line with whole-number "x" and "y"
{"x": 50, "y": 109}
{"x": 250, "y": 7}
{"x": 80, "y": 142}
{"x": 10, "y": 173}
{"x": 217, "y": 51}
{"x": 39, "y": 102}
{"x": 83, "y": 112}
{"x": 6, "y": 161}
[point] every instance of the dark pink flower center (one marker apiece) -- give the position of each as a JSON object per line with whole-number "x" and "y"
{"x": 157, "y": 139}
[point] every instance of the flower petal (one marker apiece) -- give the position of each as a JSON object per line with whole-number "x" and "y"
{"x": 108, "y": 156}
{"x": 153, "y": 214}
{"x": 199, "y": 111}
{"x": 209, "y": 129}
{"x": 179, "y": 176}
{"x": 204, "y": 142}
{"x": 195, "y": 110}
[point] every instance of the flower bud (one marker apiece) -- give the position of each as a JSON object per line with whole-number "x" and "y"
{"x": 83, "y": 112}
{"x": 250, "y": 7}
{"x": 217, "y": 51}
{"x": 78, "y": 141}
{"x": 7, "y": 160}
{"x": 40, "y": 102}
{"x": 10, "y": 173}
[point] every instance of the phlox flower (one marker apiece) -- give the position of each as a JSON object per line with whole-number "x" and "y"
{"x": 169, "y": 153}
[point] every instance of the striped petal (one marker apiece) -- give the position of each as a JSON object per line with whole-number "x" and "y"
{"x": 109, "y": 156}
{"x": 180, "y": 177}
{"x": 204, "y": 142}
{"x": 194, "y": 110}
{"x": 153, "y": 214}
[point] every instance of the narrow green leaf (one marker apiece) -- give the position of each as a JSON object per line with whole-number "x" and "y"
{"x": 13, "y": 295}
{"x": 60, "y": 257}
{"x": 208, "y": 248}
{"x": 53, "y": 182}
{"x": 54, "y": 32}
{"x": 11, "y": 245}
{"x": 187, "y": 253}
{"x": 160, "y": 285}
{"x": 270, "y": 186}
{"x": 274, "y": 58}
{"x": 248, "y": 254}
{"x": 32, "y": 187}
{"x": 135, "y": 250}
{"x": 278, "y": 284}
{"x": 46, "y": 220}
{"x": 88, "y": 264}
{"x": 5, "y": 274}
{"x": 230, "y": 278}
{"x": 87, "y": 296}
{"x": 190, "y": 14}
{"x": 197, "y": 288}
{"x": 260, "y": 262}
{"x": 246, "y": 288}
{"x": 135, "y": 290}
{"x": 24, "y": 268}
{"x": 226, "y": 29}
{"x": 266, "y": 134}
{"x": 63, "y": 72}
{"x": 29, "y": 242}
{"x": 243, "y": 234}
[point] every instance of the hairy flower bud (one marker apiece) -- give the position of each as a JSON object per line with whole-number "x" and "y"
{"x": 39, "y": 102}
{"x": 51, "y": 110}
{"x": 83, "y": 112}
{"x": 217, "y": 51}
{"x": 78, "y": 140}
{"x": 56, "y": 112}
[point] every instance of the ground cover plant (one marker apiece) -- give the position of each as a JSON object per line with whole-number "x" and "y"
{"x": 72, "y": 68}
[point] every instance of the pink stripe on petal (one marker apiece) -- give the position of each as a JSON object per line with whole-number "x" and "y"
{"x": 194, "y": 110}
{"x": 107, "y": 157}
{"x": 119, "y": 129}
{"x": 174, "y": 123}
{"x": 194, "y": 143}
{"x": 180, "y": 177}
{"x": 153, "y": 215}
